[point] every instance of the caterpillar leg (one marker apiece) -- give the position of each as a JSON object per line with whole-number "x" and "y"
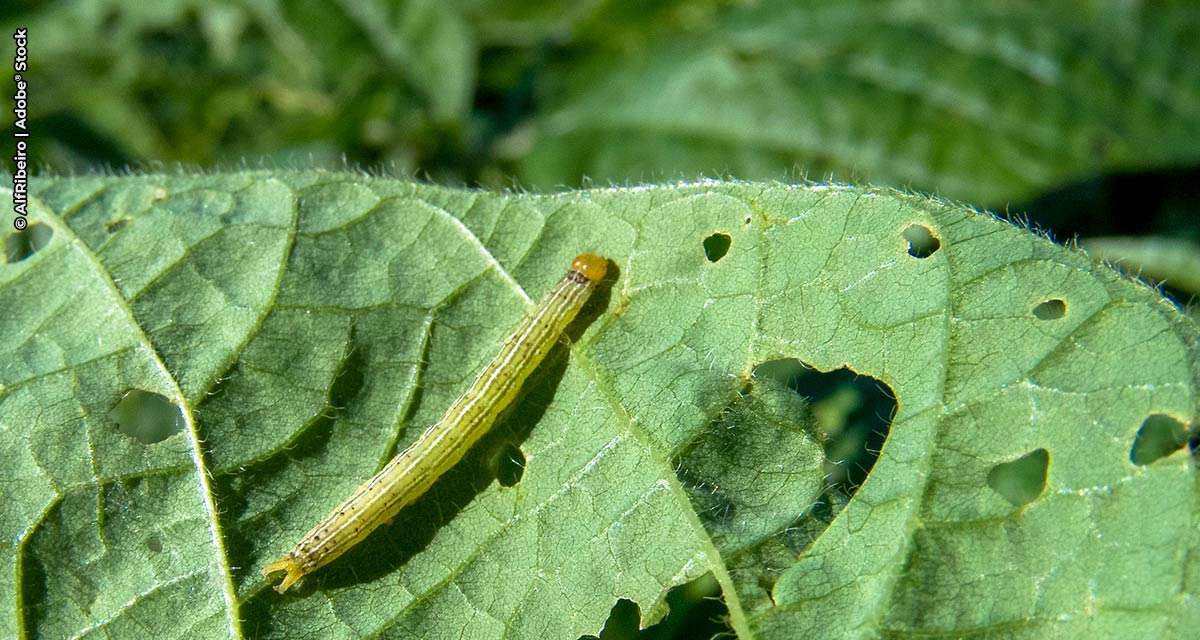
{"x": 288, "y": 564}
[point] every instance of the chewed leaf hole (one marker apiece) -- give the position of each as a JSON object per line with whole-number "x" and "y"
{"x": 853, "y": 413}
{"x": 1052, "y": 309}
{"x": 624, "y": 621}
{"x": 510, "y": 464}
{"x": 1022, "y": 480}
{"x": 147, "y": 417}
{"x": 22, "y": 244}
{"x": 921, "y": 241}
{"x": 716, "y": 246}
{"x": 1158, "y": 437}
{"x": 696, "y": 610}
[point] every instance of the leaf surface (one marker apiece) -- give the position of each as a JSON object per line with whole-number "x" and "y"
{"x": 309, "y": 325}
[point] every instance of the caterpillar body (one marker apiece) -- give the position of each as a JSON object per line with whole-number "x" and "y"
{"x": 408, "y": 475}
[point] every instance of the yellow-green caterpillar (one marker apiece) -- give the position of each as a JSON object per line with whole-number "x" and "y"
{"x": 415, "y": 469}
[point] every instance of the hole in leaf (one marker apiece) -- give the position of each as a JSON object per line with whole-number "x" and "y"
{"x": 510, "y": 464}
{"x": 854, "y": 412}
{"x": 147, "y": 417}
{"x": 153, "y": 544}
{"x": 695, "y": 611}
{"x": 716, "y": 246}
{"x": 921, "y": 241}
{"x": 1052, "y": 309}
{"x": 769, "y": 472}
{"x": 1158, "y": 437}
{"x": 624, "y": 621}
{"x": 1022, "y": 480}
{"x": 19, "y": 246}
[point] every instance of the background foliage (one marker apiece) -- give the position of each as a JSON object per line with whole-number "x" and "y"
{"x": 1082, "y": 115}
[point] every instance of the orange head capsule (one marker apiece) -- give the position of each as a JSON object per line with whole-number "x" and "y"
{"x": 590, "y": 266}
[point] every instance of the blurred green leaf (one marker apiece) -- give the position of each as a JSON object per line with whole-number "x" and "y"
{"x": 1170, "y": 261}
{"x": 987, "y": 102}
{"x": 991, "y": 103}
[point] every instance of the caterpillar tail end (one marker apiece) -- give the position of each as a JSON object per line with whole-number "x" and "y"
{"x": 288, "y": 564}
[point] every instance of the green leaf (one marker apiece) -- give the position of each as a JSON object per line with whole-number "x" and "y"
{"x": 309, "y": 325}
{"x": 987, "y": 102}
{"x": 1171, "y": 261}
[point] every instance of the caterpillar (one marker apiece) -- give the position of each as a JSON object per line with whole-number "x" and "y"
{"x": 408, "y": 475}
